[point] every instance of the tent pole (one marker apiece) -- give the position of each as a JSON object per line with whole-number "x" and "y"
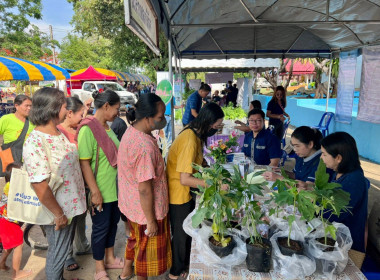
{"x": 180, "y": 87}
{"x": 171, "y": 81}
{"x": 30, "y": 88}
{"x": 328, "y": 85}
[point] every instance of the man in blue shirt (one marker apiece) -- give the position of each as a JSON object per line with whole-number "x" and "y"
{"x": 260, "y": 144}
{"x": 194, "y": 104}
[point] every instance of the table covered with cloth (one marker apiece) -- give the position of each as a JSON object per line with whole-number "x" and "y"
{"x": 200, "y": 271}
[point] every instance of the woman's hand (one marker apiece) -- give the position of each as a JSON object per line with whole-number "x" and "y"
{"x": 304, "y": 185}
{"x": 239, "y": 122}
{"x": 282, "y": 118}
{"x": 151, "y": 229}
{"x": 97, "y": 200}
{"x": 61, "y": 222}
{"x": 270, "y": 176}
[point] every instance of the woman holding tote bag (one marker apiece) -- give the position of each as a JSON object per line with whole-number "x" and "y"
{"x": 46, "y": 151}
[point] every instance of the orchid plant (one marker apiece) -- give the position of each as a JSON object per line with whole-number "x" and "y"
{"x": 220, "y": 149}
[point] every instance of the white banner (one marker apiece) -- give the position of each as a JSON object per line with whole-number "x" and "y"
{"x": 245, "y": 90}
{"x": 369, "y": 100}
{"x": 216, "y": 78}
{"x": 346, "y": 86}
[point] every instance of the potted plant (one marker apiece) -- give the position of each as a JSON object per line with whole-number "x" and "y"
{"x": 300, "y": 201}
{"x": 223, "y": 150}
{"x": 330, "y": 200}
{"x": 216, "y": 204}
{"x": 259, "y": 249}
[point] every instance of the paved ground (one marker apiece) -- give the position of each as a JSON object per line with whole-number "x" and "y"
{"x": 35, "y": 259}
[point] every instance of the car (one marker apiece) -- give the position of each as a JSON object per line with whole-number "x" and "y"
{"x": 88, "y": 88}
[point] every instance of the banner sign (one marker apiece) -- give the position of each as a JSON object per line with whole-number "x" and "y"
{"x": 219, "y": 78}
{"x": 165, "y": 91}
{"x": 179, "y": 87}
{"x": 142, "y": 20}
{"x": 346, "y": 86}
{"x": 195, "y": 84}
{"x": 369, "y": 100}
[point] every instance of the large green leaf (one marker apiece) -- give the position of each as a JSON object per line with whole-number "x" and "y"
{"x": 198, "y": 217}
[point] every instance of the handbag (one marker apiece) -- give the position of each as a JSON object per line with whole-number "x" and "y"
{"x": 12, "y": 152}
{"x": 87, "y": 189}
{"x": 23, "y": 203}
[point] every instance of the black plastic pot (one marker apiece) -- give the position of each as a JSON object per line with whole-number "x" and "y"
{"x": 289, "y": 251}
{"x": 222, "y": 251}
{"x": 259, "y": 258}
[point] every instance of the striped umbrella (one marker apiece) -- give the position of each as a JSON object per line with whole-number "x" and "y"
{"x": 55, "y": 69}
{"x": 12, "y": 68}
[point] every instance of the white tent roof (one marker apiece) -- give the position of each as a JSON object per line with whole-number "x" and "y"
{"x": 268, "y": 28}
{"x": 221, "y": 65}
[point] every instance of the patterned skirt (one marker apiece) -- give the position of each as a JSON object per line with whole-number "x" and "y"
{"x": 152, "y": 255}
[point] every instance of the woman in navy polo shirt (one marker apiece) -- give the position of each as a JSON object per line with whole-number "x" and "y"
{"x": 276, "y": 111}
{"x": 306, "y": 144}
{"x": 260, "y": 145}
{"x": 339, "y": 152}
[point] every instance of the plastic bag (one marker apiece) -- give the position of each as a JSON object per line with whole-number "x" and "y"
{"x": 201, "y": 236}
{"x": 333, "y": 262}
{"x": 295, "y": 266}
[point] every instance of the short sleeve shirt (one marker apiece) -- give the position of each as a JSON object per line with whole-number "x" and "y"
{"x": 305, "y": 168}
{"x": 140, "y": 160}
{"x": 185, "y": 150}
{"x": 275, "y": 109}
{"x": 106, "y": 177}
{"x": 64, "y": 159}
{"x": 266, "y": 146}
{"x": 193, "y": 102}
{"x": 11, "y": 127}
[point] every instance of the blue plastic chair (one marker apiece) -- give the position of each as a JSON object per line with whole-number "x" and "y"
{"x": 324, "y": 123}
{"x": 283, "y": 140}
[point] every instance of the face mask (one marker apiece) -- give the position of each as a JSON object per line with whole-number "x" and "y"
{"x": 159, "y": 125}
{"x": 211, "y": 132}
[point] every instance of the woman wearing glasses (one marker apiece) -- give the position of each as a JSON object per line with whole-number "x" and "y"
{"x": 260, "y": 145}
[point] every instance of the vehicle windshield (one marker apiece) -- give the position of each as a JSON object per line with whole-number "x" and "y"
{"x": 113, "y": 86}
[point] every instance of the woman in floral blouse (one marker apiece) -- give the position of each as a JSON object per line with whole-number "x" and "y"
{"x": 46, "y": 142}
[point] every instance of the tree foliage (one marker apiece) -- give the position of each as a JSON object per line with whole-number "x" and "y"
{"x": 77, "y": 53}
{"x": 106, "y": 18}
{"x": 30, "y": 44}
{"x": 14, "y": 14}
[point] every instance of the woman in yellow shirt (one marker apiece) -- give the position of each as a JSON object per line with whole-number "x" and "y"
{"x": 186, "y": 149}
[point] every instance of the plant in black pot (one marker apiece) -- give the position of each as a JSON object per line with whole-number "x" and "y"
{"x": 330, "y": 245}
{"x": 218, "y": 204}
{"x": 300, "y": 201}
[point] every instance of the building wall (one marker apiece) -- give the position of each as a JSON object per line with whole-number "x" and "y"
{"x": 309, "y": 112}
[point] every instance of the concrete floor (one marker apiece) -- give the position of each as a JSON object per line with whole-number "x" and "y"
{"x": 35, "y": 259}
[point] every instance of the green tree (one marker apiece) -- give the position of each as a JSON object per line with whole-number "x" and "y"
{"x": 31, "y": 44}
{"x": 106, "y": 18}
{"x": 78, "y": 53}
{"x": 14, "y": 14}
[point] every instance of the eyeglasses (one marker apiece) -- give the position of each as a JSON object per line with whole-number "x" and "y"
{"x": 255, "y": 121}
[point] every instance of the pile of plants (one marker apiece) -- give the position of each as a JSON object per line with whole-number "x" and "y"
{"x": 302, "y": 239}
{"x": 233, "y": 113}
{"x": 221, "y": 149}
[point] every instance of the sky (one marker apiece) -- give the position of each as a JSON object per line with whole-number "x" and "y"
{"x": 57, "y": 13}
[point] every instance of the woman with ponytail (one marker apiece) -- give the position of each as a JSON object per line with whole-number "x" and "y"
{"x": 306, "y": 143}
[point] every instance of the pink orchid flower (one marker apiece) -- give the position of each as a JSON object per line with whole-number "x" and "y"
{"x": 233, "y": 134}
{"x": 229, "y": 151}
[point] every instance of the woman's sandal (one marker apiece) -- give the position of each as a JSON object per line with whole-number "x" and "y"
{"x": 182, "y": 276}
{"x": 118, "y": 264}
{"x": 126, "y": 278}
{"x": 101, "y": 275}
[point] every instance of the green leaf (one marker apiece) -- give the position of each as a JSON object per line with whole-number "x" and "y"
{"x": 332, "y": 230}
{"x": 198, "y": 217}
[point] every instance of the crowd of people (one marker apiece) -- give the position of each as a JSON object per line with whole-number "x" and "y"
{"x": 114, "y": 171}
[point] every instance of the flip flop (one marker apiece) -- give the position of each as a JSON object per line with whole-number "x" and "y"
{"x": 101, "y": 275}
{"x": 30, "y": 272}
{"x": 127, "y": 278}
{"x": 182, "y": 276}
{"x": 118, "y": 264}
{"x": 72, "y": 267}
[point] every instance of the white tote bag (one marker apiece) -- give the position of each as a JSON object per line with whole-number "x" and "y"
{"x": 23, "y": 203}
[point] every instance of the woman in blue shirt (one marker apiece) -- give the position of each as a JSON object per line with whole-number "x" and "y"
{"x": 276, "y": 111}
{"x": 306, "y": 144}
{"x": 339, "y": 152}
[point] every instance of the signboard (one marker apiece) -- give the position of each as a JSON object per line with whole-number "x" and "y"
{"x": 142, "y": 20}
{"x": 162, "y": 75}
{"x": 195, "y": 83}
{"x": 165, "y": 91}
{"x": 217, "y": 78}
{"x": 179, "y": 87}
